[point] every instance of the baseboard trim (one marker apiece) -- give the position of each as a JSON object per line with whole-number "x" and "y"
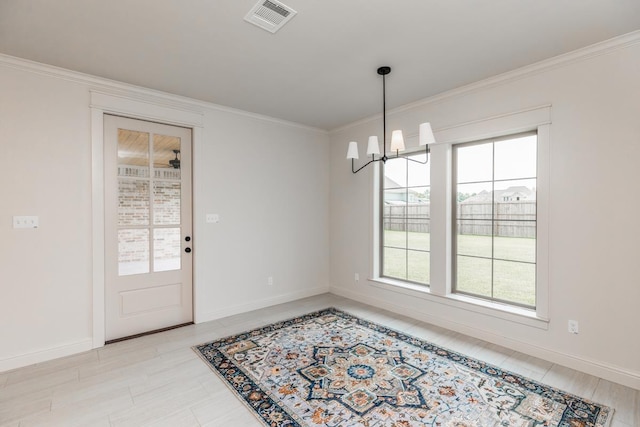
{"x": 258, "y": 304}
{"x": 592, "y": 367}
{"x": 45, "y": 355}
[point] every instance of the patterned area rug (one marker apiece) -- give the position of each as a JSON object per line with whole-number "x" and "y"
{"x": 330, "y": 368}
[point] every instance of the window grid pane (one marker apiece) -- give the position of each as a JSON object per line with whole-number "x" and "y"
{"x": 406, "y": 219}
{"x": 495, "y": 217}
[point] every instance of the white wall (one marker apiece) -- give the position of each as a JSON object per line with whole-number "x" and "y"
{"x": 283, "y": 212}
{"x": 267, "y": 179}
{"x": 270, "y": 185}
{"x": 594, "y": 203}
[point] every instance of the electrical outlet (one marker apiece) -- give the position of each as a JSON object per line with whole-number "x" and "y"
{"x": 270, "y": 281}
{"x": 356, "y": 277}
{"x": 573, "y": 327}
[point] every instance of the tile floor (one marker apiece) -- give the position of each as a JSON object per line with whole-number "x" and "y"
{"x": 158, "y": 380}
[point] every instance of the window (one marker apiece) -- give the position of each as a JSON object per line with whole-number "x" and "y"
{"x": 495, "y": 219}
{"x": 406, "y": 219}
{"x": 470, "y": 229}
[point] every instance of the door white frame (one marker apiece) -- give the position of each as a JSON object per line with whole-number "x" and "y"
{"x": 143, "y": 107}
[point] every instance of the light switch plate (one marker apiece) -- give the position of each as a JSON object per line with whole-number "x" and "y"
{"x": 26, "y": 222}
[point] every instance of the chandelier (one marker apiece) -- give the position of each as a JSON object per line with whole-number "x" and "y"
{"x": 397, "y": 140}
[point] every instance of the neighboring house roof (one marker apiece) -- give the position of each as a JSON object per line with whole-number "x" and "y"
{"x": 514, "y": 192}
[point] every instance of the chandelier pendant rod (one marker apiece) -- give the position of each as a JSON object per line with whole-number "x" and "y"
{"x": 384, "y": 71}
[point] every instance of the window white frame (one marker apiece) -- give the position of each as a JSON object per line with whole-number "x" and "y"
{"x": 536, "y": 119}
{"x": 455, "y": 206}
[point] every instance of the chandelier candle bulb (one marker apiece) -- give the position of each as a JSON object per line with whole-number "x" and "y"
{"x": 397, "y": 141}
{"x": 352, "y": 152}
{"x": 373, "y": 147}
{"x": 426, "y": 134}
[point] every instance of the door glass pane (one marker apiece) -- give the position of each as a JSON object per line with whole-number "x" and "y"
{"x": 133, "y": 153}
{"x": 133, "y": 251}
{"x": 166, "y": 203}
{"x": 166, "y": 249}
{"x": 166, "y": 157}
{"x": 133, "y": 202}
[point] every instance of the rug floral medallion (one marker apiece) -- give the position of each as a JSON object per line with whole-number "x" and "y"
{"x": 330, "y": 368}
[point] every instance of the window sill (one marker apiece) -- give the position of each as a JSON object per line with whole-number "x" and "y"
{"x": 488, "y": 308}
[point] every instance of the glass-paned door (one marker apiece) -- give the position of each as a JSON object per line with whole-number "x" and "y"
{"x": 148, "y": 226}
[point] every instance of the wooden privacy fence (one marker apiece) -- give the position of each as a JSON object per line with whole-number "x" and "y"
{"x": 512, "y": 219}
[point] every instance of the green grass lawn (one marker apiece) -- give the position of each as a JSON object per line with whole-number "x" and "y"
{"x": 512, "y": 274}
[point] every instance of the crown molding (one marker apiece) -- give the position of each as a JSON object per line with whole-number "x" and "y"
{"x": 598, "y": 49}
{"x": 139, "y": 93}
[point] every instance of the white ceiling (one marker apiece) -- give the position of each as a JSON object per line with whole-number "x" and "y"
{"x": 320, "y": 68}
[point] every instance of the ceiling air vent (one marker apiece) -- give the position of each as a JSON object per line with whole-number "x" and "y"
{"x": 270, "y": 15}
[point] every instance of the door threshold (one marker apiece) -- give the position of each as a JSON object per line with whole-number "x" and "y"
{"x": 130, "y": 337}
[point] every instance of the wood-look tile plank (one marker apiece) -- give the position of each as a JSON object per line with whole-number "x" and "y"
{"x": 433, "y": 334}
{"x": 168, "y": 360}
{"x": 490, "y": 353}
{"x": 130, "y": 347}
{"x": 3, "y": 379}
{"x": 219, "y": 407}
{"x": 190, "y": 370}
{"x": 637, "y": 409}
{"x": 395, "y": 321}
{"x": 571, "y": 381}
{"x": 9, "y": 402}
{"x": 184, "y": 418}
{"x": 116, "y": 362}
{"x": 89, "y": 411}
{"x": 127, "y": 376}
{"x": 527, "y": 366}
{"x": 160, "y": 403}
{"x": 196, "y": 336}
{"x": 213, "y": 384}
{"x": 14, "y": 410}
{"x": 615, "y": 423}
{"x": 73, "y": 395}
{"x": 237, "y": 418}
{"x": 617, "y": 396}
{"x": 40, "y": 369}
{"x": 46, "y": 381}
